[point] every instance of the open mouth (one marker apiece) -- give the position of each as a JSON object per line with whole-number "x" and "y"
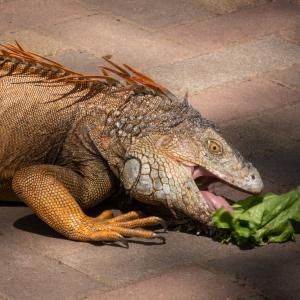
{"x": 203, "y": 180}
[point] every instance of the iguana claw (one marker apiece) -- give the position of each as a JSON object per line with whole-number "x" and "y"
{"x": 124, "y": 242}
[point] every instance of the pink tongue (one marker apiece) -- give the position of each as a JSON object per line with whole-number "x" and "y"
{"x": 216, "y": 202}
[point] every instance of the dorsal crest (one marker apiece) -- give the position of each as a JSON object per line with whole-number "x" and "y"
{"x": 116, "y": 75}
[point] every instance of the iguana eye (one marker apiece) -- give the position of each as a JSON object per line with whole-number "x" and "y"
{"x": 214, "y": 147}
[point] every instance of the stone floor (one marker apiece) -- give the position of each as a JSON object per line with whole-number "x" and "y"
{"x": 240, "y": 62}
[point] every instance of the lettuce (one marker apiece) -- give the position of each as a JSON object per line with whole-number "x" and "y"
{"x": 259, "y": 220}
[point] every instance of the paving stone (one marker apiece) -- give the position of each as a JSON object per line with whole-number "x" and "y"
{"x": 116, "y": 267}
{"x": 193, "y": 283}
{"x": 110, "y": 267}
{"x": 4, "y": 1}
{"x": 232, "y": 64}
{"x": 289, "y": 77}
{"x": 272, "y": 142}
{"x": 292, "y": 35}
{"x": 19, "y": 225}
{"x": 154, "y": 14}
{"x": 211, "y": 34}
{"x": 102, "y": 35}
{"x": 28, "y": 275}
{"x": 4, "y": 297}
{"x": 244, "y": 99}
{"x": 274, "y": 272}
{"x": 32, "y": 41}
{"x": 79, "y": 60}
{"x": 21, "y": 14}
{"x": 228, "y": 6}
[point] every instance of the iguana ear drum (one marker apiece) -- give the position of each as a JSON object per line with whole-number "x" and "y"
{"x": 131, "y": 173}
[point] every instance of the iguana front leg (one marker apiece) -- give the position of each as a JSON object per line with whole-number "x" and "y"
{"x": 48, "y": 190}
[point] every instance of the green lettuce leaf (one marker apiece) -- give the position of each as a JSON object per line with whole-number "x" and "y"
{"x": 259, "y": 220}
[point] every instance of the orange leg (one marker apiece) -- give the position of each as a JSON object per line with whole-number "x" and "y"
{"x": 41, "y": 188}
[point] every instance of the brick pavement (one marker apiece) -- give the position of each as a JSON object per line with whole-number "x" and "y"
{"x": 240, "y": 62}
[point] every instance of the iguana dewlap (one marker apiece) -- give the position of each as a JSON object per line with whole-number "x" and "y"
{"x": 68, "y": 140}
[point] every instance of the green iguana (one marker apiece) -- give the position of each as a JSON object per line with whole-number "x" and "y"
{"x": 68, "y": 140}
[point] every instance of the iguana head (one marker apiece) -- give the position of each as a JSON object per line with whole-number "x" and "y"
{"x": 163, "y": 165}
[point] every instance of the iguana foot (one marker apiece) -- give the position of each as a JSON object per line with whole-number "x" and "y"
{"x": 106, "y": 227}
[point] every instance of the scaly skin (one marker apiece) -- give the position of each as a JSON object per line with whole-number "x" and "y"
{"x": 68, "y": 140}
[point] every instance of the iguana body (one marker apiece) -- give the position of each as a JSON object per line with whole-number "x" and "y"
{"x": 68, "y": 139}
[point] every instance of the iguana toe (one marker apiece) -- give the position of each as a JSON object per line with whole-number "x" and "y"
{"x": 149, "y": 221}
{"x": 124, "y": 225}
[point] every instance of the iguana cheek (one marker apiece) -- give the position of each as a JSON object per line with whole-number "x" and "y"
{"x": 141, "y": 179}
{"x": 131, "y": 172}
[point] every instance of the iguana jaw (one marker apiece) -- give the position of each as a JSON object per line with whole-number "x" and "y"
{"x": 214, "y": 202}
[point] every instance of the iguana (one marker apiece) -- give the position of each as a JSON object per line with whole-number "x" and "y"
{"x": 68, "y": 140}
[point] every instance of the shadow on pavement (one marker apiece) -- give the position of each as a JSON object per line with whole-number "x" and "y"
{"x": 273, "y": 269}
{"x": 31, "y": 223}
{"x": 275, "y": 154}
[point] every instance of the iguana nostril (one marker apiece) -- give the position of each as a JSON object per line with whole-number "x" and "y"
{"x": 253, "y": 177}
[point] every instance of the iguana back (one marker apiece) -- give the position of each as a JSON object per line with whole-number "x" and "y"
{"x": 40, "y": 101}
{"x": 32, "y": 125}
